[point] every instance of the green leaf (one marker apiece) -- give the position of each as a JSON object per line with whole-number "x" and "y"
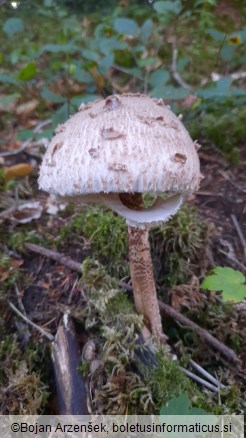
{"x": 28, "y": 72}
{"x": 7, "y": 79}
{"x": 146, "y": 61}
{"x": 180, "y": 405}
{"x": 108, "y": 45}
{"x": 83, "y": 76}
{"x": 59, "y": 48}
{"x": 106, "y": 63}
{"x": 90, "y": 55}
{"x": 126, "y": 26}
{"x": 52, "y": 97}
{"x": 176, "y": 406}
{"x": 77, "y": 100}
{"x": 227, "y": 52}
{"x": 13, "y": 26}
{"x": 6, "y": 101}
{"x": 216, "y": 34}
{"x": 163, "y": 7}
{"x": 60, "y": 115}
{"x": 25, "y": 134}
{"x": 146, "y": 30}
{"x": 169, "y": 92}
{"x": 46, "y": 133}
{"x": 224, "y": 83}
{"x": 134, "y": 71}
{"x": 227, "y": 280}
{"x": 159, "y": 78}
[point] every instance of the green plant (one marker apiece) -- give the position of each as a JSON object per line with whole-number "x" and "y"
{"x": 221, "y": 124}
{"x": 176, "y": 246}
{"x": 107, "y": 234}
{"x": 23, "y": 387}
{"x": 181, "y": 405}
{"x": 228, "y": 281}
{"x": 18, "y": 239}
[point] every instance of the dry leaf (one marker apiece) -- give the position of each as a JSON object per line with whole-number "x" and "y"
{"x": 26, "y": 108}
{"x": 22, "y": 169}
{"x": 26, "y": 212}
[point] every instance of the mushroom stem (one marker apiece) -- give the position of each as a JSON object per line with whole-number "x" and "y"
{"x": 143, "y": 280}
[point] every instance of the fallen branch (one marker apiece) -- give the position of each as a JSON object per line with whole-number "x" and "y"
{"x": 168, "y": 310}
{"x": 54, "y": 255}
{"x": 203, "y": 333}
{"x": 28, "y": 321}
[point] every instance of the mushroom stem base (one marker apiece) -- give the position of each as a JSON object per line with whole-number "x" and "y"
{"x": 143, "y": 281}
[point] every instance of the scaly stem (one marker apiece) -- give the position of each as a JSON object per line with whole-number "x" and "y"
{"x": 143, "y": 280}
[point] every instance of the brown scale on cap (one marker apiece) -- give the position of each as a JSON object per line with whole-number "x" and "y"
{"x": 179, "y": 158}
{"x": 56, "y": 147}
{"x": 112, "y": 103}
{"x": 111, "y": 134}
{"x": 60, "y": 128}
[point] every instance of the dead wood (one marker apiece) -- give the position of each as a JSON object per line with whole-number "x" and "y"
{"x": 70, "y": 385}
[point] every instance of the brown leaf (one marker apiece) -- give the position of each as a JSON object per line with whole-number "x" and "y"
{"x": 21, "y": 169}
{"x": 26, "y": 108}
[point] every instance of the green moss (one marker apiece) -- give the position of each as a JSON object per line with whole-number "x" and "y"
{"x": 177, "y": 245}
{"x": 167, "y": 380}
{"x": 18, "y": 239}
{"x": 23, "y": 389}
{"x": 107, "y": 234}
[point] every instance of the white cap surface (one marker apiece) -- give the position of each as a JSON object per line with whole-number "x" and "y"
{"x": 125, "y": 143}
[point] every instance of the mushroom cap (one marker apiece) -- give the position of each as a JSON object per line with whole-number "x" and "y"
{"x": 125, "y": 143}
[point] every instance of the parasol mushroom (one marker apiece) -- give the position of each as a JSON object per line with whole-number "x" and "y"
{"x": 114, "y": 150}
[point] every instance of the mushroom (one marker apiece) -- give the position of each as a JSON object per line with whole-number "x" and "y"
{"x": 114, "y": 150}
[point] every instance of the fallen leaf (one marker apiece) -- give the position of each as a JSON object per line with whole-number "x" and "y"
{"x": 26, "y": 212}
{"x": 21, "y": 169}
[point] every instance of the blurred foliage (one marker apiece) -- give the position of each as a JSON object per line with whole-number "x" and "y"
{"x": 75, "y": 51}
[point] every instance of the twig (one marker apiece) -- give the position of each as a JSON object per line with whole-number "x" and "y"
{"x": 26, "y": 143}
{"x": 233, "y": 259}
{"x": 199, "y": 380}
{"x": 176, "y": 75}
{"x": 227, "y": 177}
{"x": 18, "y": 296}
{"x": 54, "y": 255}
{"x": 203, "y": 333}
{"x": 206, "y": 374}
{"x": 28, "y": 321}
{"x": 240, "y": 233}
